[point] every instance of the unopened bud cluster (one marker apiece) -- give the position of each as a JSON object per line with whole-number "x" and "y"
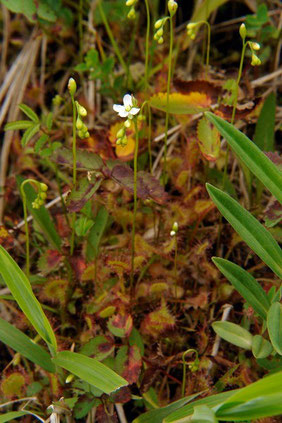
{"x": 191, "y": 27}
{"x": 41, "y": 195}
{"x": 82, "y": 129}
{"x": 174, "y": 230}
{"x": 131, "y": 3}
{"x": 159, "y": 26}
{"x": 254, "y": 47}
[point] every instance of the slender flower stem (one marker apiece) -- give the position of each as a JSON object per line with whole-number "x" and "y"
{"x": 147, "y": 45}
{"x": 135, "y": 203}
{"x": 208, "y": 49}
{"x": 150, "y": 137}
{"x": 74, "y": 115}
{"x": 27, "y": 248}
{"x": 26, "y": 229}
{"x": 168, "y": 93}
{"x": 175, "y": 265}
{"x": 112, "y": 39}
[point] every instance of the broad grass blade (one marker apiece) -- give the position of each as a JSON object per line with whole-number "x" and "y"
{"x": 251, "y": 155}
{"x": 21, "y": 343}
{"x": 245, "y": 284}
{"x": 21, "y": 290}
{"x": 274, "y": 326}
{"x": 249, "y": 228}
{"x": 90, "y": 370}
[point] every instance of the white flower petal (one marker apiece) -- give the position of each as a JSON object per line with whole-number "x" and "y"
{"x": 127, "y": 100}
{"x": 123, "y": 113}
{"x": 118, "y": 108}
{"x": 134, "y": 110}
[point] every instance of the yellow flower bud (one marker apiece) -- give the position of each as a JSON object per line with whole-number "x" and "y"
{"x": 79, "y": 124}
{"x": 72, "y": 86}
{"x": 158, "y": 23}
{"x": 243, "y": 31}
{"x": 130, "y": 2}
{"x": 172, "y": 7}
{"x": 131, "y": 14}
{"x": 254, "y": 45}
{"x": 160, "y": 40}
{"x": 160, "y": 33}
{"x": 43, "y": 187}
{"x": 255, "y": 60}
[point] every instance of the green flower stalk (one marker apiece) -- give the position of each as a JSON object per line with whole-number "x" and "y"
{"x": 37, "y": 203}
{"x": 159, "y": 25}
{"x": 191, "y": 32}
{"x": 130, "y": 110}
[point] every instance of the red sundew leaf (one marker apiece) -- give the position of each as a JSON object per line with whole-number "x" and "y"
{"x": 128, "y": 363}
{"x": 273, "y": 214}
{"x": 49, "y": 261}
{"x": 122, "y": 396}
{"x": 276, "y": 158}
{"x": 103, "y": 416}
{"x": 148, "y": 187}
{"x": 133, "y": 364}
{"x": 99, "y": 347}
{"x": 84, "y": 192}
{"x": 120, "y": 325}
{"x": 157, "y": 322}
{"x": 186, "y": 87}
{"x": 242, "y": 111}
{"x": 85, "y": 160}
{"x": 79, "y": 265}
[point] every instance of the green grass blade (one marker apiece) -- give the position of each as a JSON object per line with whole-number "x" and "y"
{"x": 157, "y": 415}
{"x": 7, "y": 417}
{"x": 234, "y": 334}
{"x": 21, "y": 290}
{"x": 90, "y": 370}
{"x": 249, "y": 228}
{"x": 245, "y": 284}
{"x": 183, "y": 415}
{"x": 42, "y": 217}
{"x": 96, "y": 233}
{"x": 274, "y": 326}
{"x": 21, "y": 343}
{"x": 257, "y": 400}
{"x": 265, "y": 127}
{"x": 250, "y": 155}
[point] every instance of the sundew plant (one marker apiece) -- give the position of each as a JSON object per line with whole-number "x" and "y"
{"x": 140, "y": 211}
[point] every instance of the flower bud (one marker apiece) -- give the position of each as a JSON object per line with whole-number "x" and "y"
{"x": 127, "y": 123}
{"x": 72, "y": 86}
{"x": 158, "y": 23}
{"x": 255, "y": 60}
{"x": 86, "y": 135}
{"x": 81, "y": 110}
{"x": 160, "y": 40}
{"x": 130, "y": 2}
{"x": 69, "y": 378}
{"x": 43, "y": 187}
{"x": 79, "y": 124}
{"x": 243, "y": 31}
{"x": 156, "y": 36}
{"x": 160, "y": 33}
{"x": 172, "y": 233}
{"x": 175, "y": 227}
{"x": 131, "y": 14}
{"x": 43, "y": 195}
{"x": 191, "y": 26}
{"x": 121, "y": 133}
{"x": 254, "y": 45}
{"x": 172, "y": 7}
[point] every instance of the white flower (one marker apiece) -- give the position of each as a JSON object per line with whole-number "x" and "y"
{"x": 127, "y": 109}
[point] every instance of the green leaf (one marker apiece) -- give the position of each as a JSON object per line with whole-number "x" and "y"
{"x": 157, "y": 415}
{"x": 183, "y": 415}
{"x": 257, "y": 400}
{"x": 12, "y": 415}
{"x": 42, "y": 217}
{"x": 250, "y": 155}
{"x": 261, "y": 348}
{"x": 179, "y": 103}
{"x": 85, "y": 160}
{"x": 29, "y": 113}
{"x": 245, "y": 284}
{"x": 264, "y": 133}
{"x": 203, "y": 414}
{"x": 209, "y": 139}
{"x": 26, "y": 7}
{"x": 274, "y": 326}
{"x": 21, "y": 290}
{"x": 249, "y": 228}
{"x": 21, "y": 343}
{"x": 90, "y": 370}
{"x": 29, "y": 133}
{"x": 96, "y": 233}
{"x": 234, "y": 334}
{"x": 18, "y": 124}
{"x": 82, "y": 193}
{"x": 40, "y": 143}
